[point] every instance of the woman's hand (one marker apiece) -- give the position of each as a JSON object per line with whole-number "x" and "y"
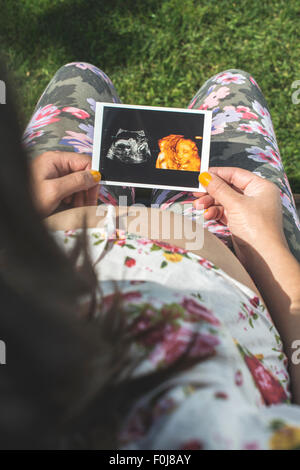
{"x": 63, "y": 177}
{"x": 248, "y": 204}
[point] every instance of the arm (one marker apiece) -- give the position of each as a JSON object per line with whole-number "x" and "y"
{"x": 251, "y": 207}
{"x": 276, "y": 274}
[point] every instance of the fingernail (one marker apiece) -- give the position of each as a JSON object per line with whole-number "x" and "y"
{"x": 96, "y": 175}
{"x": 204, "y": 178}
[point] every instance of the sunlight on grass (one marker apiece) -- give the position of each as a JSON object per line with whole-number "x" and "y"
{"x": 160, "y": 52}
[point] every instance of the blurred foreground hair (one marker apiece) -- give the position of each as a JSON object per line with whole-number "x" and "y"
{"x": 67, "y": 382}
{"x": 58, "y": 361}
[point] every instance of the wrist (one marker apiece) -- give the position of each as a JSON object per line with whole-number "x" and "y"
{"x": 266, "y": 252}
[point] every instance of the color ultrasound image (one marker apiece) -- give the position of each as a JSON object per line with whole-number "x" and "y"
{"x": 150, "y": 147}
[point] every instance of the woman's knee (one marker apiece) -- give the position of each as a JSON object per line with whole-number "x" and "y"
{"x": 235, "y": 76}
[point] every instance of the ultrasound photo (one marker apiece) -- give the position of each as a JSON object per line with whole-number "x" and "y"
{"x": 129, "y": 147}
{"x": 151, "y": 147}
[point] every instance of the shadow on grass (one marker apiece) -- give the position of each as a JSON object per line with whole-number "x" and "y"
{"x": 86, "y": 30}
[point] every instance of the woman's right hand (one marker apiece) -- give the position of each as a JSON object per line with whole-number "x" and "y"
{"x": 249, "y": 205}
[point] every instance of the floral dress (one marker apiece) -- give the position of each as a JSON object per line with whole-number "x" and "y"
{"x": 236, "y": 394}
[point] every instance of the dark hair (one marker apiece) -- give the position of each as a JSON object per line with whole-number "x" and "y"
{"x": 61, "y": 386}
{"x": 54, "y": 354}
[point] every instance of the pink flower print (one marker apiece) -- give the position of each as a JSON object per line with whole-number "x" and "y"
{"x": 203, "y": 345}
{"x": 166, "y": 246}
{"x": 288, "y": 187}
{"x": 81, "y": 143}
{"x": 232, "y": 114}
{"x": 270, "y": 388}
{"x": 120, "y": 242}
{"x": 222, "y": 395}
{"x": 255, "y": 301}
{"x": 193, "y": 444}
{"x": 69, "y": 233}
{"x": 129, "y": 262}
{"x": 206, "y": 264}
{"x": 245, "y": 128}
{"x": 192, "y": 103}
{"x": 259, "y": 128}
{"x": 267, "y": 155}
{"x": 249, "y": 310}
{"x": 29, "y": 136}
{"x": 156, "y": 334}
{"x": 220, "y": 121}
{"x": 238, "y": 378}
{"x": 79, "y": 113}
{"x": 251, "y": 446}
{"x": 229, "y": 77}
{"x": 127, "y": 297}
{"x": 41, "y": 118}
{"x": 260, "y": 109}
{"x": 105, "y": 196}
{"x": 245, "y": 112}
{"x": 266, "y": 128}
{"x": 217, "y": 229}
{"x": 131, "y": 296}
{"x": 254, "y": 82}
{"x": 175, "y": 343}
{"x": 144, "y": 241}
{"x": 196, "y": 311}
{"x": 213, "y": 99}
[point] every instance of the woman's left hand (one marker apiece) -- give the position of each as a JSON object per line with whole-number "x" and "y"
{"x": 63, "y": 178}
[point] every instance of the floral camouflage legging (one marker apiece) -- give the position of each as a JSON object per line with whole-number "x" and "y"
{"x": 242, "y": 135}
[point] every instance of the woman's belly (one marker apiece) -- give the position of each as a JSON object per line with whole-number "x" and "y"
{"x": 155, "y": 224}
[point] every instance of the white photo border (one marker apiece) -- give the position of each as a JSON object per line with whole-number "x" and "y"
{"x": 98, "y": 139}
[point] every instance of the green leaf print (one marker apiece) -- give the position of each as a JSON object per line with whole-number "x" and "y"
{"x": 278, "y": 340}
{"x": 98, "y": 242}
{"x": 163, "y": 264}
{"x": 155, "y": 248}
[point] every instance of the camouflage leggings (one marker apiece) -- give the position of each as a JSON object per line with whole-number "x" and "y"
{"x": 242, "y": 135}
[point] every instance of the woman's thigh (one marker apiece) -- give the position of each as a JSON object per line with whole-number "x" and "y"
{"x": 64, "y": 117}
{"x": 242, "y": 136}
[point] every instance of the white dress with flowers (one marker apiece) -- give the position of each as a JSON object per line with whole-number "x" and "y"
{"x": 236, "y": 393}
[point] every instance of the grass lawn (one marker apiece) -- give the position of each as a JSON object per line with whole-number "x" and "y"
{"x": 160, "y": 52}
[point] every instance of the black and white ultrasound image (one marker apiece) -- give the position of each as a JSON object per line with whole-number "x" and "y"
{"x": 129, "y": 147}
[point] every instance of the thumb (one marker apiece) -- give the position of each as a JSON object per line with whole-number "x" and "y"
{"x": 219, "y": 189}
{"x": 77, "y": 181}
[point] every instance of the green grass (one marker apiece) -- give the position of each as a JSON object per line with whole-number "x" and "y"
{"x": 160, "y": 52}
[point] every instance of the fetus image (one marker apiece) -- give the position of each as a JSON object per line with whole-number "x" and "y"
{"x": 178, "y": 153}
{"x": 129, "y": 147}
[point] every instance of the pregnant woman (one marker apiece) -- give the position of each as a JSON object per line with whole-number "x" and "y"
{"x": 118, "y": 339}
